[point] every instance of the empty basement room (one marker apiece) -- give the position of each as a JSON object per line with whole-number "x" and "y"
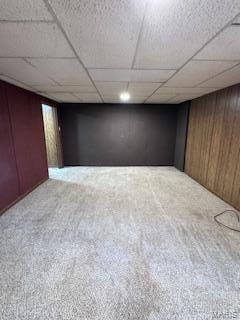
{"x": 119, "y": 159}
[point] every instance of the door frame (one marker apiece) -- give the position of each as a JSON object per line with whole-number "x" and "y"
{"x": 57, "y": 127}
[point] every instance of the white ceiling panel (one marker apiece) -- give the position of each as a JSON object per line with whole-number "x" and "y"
{"x": 137, "y": 97}
{"x": 130, "y": 75}
{"x": 32, "y": 39}
{"x": 237, "y": 20}
{"x": 225, "y": 47}
{"x": 15, "y": 82}
{"x": 113, "y": 92}
{"x": 185, "y": 97}
{"x": 111, "y": 88}
{"x": 70, "y": 89}
{"x": 176, "y": 101}
{"x": 104, "y": 33}
{"x": 64, "y": 97}
{"x": 159, "y": 98}
{"x": 111, "y": 100}
{"x": 22, "y": 71}
{"x": 23, "y": 10}
{"x": 143, "y": 88}
{"x": 227, "y": 78}
{"x": 63, "y": 71}
{"x": 88, "y": 97}
{"x": 44, "y": 94}
{"x": 111, "y": 96}
{"x": 114, "y": 100}
{"x": 175, "y": 30}
{"x": 197, "y": 71}
{"x": 185, "y": 90}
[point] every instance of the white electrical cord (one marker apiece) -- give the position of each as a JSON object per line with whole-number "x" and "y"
{"x": 222, "y": 224}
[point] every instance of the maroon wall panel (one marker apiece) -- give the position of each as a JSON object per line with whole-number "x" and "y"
{"x": 28, "y": 135}
{"x": 9, "y": 186}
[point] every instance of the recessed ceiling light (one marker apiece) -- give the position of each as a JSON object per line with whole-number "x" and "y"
{"x": 124, "y": 96}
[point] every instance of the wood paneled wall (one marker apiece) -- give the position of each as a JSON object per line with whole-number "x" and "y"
{"x": 51, "y": 135}
{"x": 213, "y": 144}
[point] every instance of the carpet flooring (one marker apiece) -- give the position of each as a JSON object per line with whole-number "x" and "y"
{"x": 118, "y": 243}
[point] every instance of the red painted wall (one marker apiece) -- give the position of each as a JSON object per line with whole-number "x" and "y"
{"x": 23, "y": 159}
{"x": 28, "y": 135}
{"x": 9, "y": 183}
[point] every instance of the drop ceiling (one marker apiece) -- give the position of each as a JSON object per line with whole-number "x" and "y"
{"x": 161, "y": 51}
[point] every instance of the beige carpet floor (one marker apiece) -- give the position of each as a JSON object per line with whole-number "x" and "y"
{"x": 128, "y": 243}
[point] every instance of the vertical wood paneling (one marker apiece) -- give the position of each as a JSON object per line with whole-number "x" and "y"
{"x": 213, "y": 144}
{"x": 233, "y": 147}
{"x": 235, "y": 197}
{"x": 181, "y": 135}
{"x": 235, "y": 192}
{"x": 216, "y": 138}
{"x": 190, "y": 163}
{"x": 51, "y": 134}
{"x": 206, "y": 114}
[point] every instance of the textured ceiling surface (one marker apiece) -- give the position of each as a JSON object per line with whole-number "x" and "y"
{"x": 161, "y": 51}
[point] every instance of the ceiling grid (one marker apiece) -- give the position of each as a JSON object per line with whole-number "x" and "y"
{"x": 91, "y": 51}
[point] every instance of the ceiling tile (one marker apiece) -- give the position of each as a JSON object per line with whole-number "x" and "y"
{"x": 32, "y": 39}
{"x": 15, "y": 82}
{"x": 24, "y": 10}
{"x": 71, "y": 89}
{"x": 115, "y": 96}
{"x": 111, "y": 88}
{"x": 22, "y": 71}
{"x": 225, "y": 79}
{"x": 237, "y": 20}
{"x": 48, "y": 96}
{"x": 225, "y": 47}
{"x": 104, "y": 33}
{"x": 138, "y": 97}
{"x": 197, "y": 71}
{"x": 130, "y": 75}
{"x": 63, "y": 71}
{"x": 184, "y": 97}
{"x": 175, "y": 30}
{"x": 88, "y": 97}
{"x": 159, "y": 98}
{"x": 111, "y": 96}
{"x": 184, "y": 90}
{"x": 64, "y": 97}
{"x": 113, "y": 100}
{"x": 143, "y": 88}
{"x": 189, "y": 96}
{"x": 176, "y": 100}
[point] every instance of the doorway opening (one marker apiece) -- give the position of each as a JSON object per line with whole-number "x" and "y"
{"x": 52, "y": 136}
